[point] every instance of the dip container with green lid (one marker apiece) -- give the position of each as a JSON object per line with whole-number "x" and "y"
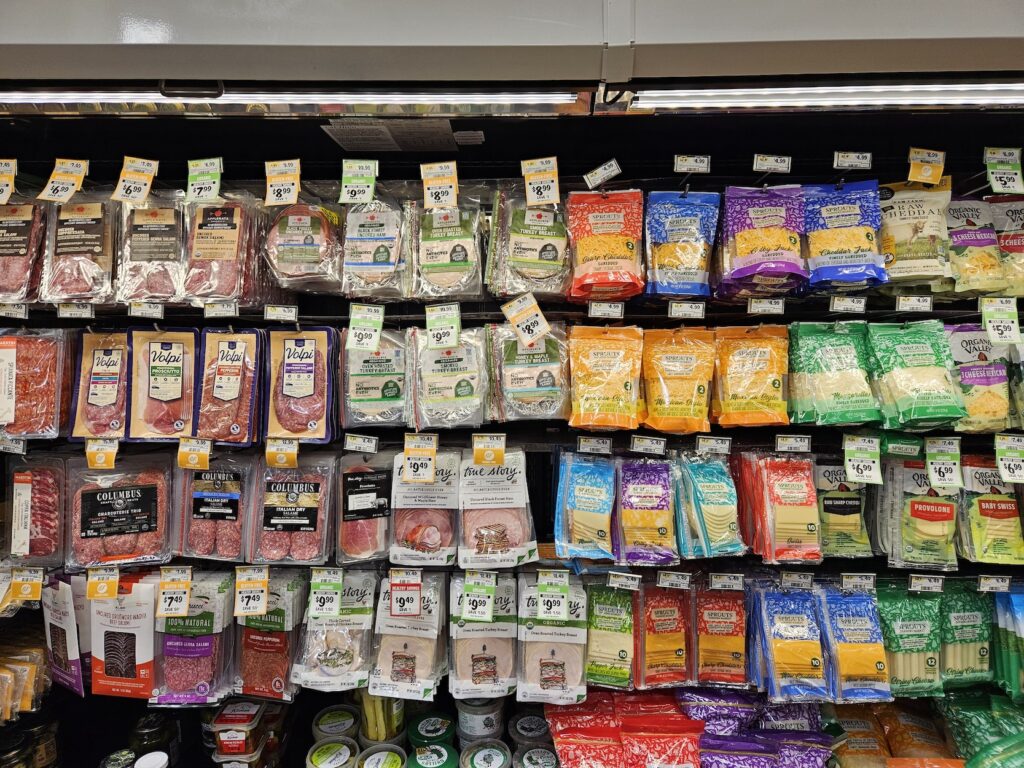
{"x": 434, "y": 756}
{"x": 338, "y": 720}
{"x": 431, "y": 728}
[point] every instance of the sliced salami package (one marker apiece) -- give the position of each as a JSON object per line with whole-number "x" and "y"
{"x": 365, "y": 506}
{"x": 65, "y": 657}
{"x": 268, "y": 644}
{"x": 375, "y": 383}
{"x": 100, "y": 391}
{"x": 79, "y": 259}
{"x": 425, "y": 519}
{"x": 32, "y": 382}
{"x": 303, "y": 247}
{"x": 291, "y": 512}
{"x": 123, "y": 641}
{"x": 22, "y": 223}
{"x": 298, "y": 385}
{"x": 161, "y": 386}
{"x": 151, "y": 266}
{"x": 215, "y": 506}
{"x": 227, "y": 400}
{"x": 35, "y": 493}
{"x": 220, "y": 259}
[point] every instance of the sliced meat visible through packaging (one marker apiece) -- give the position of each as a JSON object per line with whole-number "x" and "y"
{"x": 229, "y": 372}
{"x": 37, "y": 368}
{"x": 102, "y": 385}
{"x": 163, "y": 366}
{"x": 299, "y": 404}
{"x": 292, "y": 516}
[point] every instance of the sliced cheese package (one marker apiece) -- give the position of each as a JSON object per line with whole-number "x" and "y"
{"x": 966, "y": 635}
{"x": 721, "y": 637}
{"x": 829, "y": 374}
{"x": 915, "y": 239}
{"x": 678, "y": 366}
{"x": 483, "y": 656}
{"x": 528, "y": 381}
{"x": 989, "y": 525}
{"x": 788, "y": 509}
{"x": 791, "y": 646}
{"x": 924, "y": 526}
{"x": 855, "y": 654}
{"x": 981, "y": 368}
{"x": 605, "y": 231}
{"x": 665, "y": 639}
{"x": 646, "y": 514}
{"x": 450, "y": 384}
{"x": 842, "y": 223}
{"x": 974, "y": 256}
{"x": 552, "y": 652}
{"x": 605, "y": 364}
{"x": 707, "y": 512}
{"x": 841, "y": 503}
{"x": 910, "y": 630}
{"x": 680, "y": 228}
{"x": 610, "y": 645}
{"x": 528, "y": 250}
{"x": 751, "y": 372}
{"x": 1008, "y": 220}
{"x": 583, "y": 514}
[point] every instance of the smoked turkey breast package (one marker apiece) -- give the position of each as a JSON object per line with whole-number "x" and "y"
{"x": 100, "y": 392}
{"x": 227, "y": 400}
{"x": 22, "y": 224}
{"x": 161, "y": 388}
{"x": 291, "y": 512}
{"x": 34, "y": 382}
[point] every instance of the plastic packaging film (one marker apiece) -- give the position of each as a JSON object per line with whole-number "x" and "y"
{"x": 841, "y": 505}
{"x": 605, "y": 365}
{"x": 680, "y": 229}
{"x": 678, "y": 366}
{"x": 79, "y": 258}
{"x": 374, "y": 261}
{"x": 451, "y": 384}
{"x": 303, "y": 246}
{"x": 22, "y": 230}
{"x": 609, "y": 637}
{"x": 605, "y": 230}
{"x": 448, "y": 256}
{"x": 751, "y": 376}
{"x": 528, "y": 382}
{"x": 529, "y": 247}
{"x": 586, "y": 498}
{"x": 151, "y": 266}
{"x": 375, "y": 383}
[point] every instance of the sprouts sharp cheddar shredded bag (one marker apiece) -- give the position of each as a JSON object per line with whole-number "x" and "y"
{"x": 677, "y": 369}
{"x": 605, "y": 230}
{"x": 752, "y": 367}
{"x": 605, "y": 365}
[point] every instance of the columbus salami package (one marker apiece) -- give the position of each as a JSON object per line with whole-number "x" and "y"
{"x": 216, "y": 507}
{"x": 33, "y": 371}
{"x": 448, "y": 260}
{"x": 292, "y": 512}
{"x": 151, "y": 265}
{"x": 229, "y": 366}
{"x": 375, "y": 383}
{"x": 65, "y": 657}
{"x": 528, "y": 382}
{"x": 605, "y": 364}
{"x": 605, "y": 231}
{"x": 299, "y": 384}
{"x": 123, "y": 641}
{"x": 529, "y": 247}
{"x": 100, "y": 391}
{"x": 376, "y": 238}
{"x": 451, "y": 387}
{"x": 678, "y": 366}
{"x": 161, "y": 388}
{"x": 680, "y": 228}
{"x": 221, "y": 238}
{"x": 646, "y": 514}
{"x": 425, "y": 518}
{"x": 79, "y": 259}
{"x": 35, "y": 493}
{"x": 303, "y": 246}
{"x": 583, "y": 513}
{"x": 268, "y": 644}
{"x": 22, "y": 226}
{"x": 842, "y": 223}
{"x": 366, "y": 481}
{"x": 483, "y": 656}
{"x": 664, "y": 656}
{"x": 552, "y": 652}
{"x": 721, "y": 637}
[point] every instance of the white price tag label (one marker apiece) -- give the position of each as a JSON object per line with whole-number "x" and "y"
{"x": 282, "y": 182}
{"x": 863, "y": 459}
{"x": 220, "y": 309}
{"x": 16, "y": 445}
{"x": 444, "y": 326}
{"x": 796, "y": 580}
{"x": 942, "y": 457}
{"x": 1010, "y": 457}
{"x": 627, "y": 581}
{"x": 727, "y": 581}
{"x": 674, "y": 580}
{"x": 772, "y": 163}
{"x": 993, "y": 583}
{"x": 856, "y": 305}
{"x": 999, "y": 317}
{"x": 366, "y": 321}
{"x": 174, "y": 591}
{"x": 252, "y": 590}
{"x": 913, "y": 303}
{"x": 766, "y": 306}
{"x": 851, "y": 160}
{"x": 607, "y": 310}
{"x": 17, "y": 311}
{"x": 526, "y": 319}
{"x": 148, "y": 309}
{"x": 489, "y": 449}
{"x": 930, "y": 582}
{"x": 325, "y": 588}
{"x": 136, "y": 180}
{"x": 281, "y": 313}
{"x": 478, "y": 590}
{"x": 793, "y": 443}
{"x": 361, "y": 443}
{"x": 419, "y": 464}
{"x": 406, "y": 585}
{"x": 653, "y": 446}
{"x": 358, "y": 181}
{"x": 76, "y": 311}
{"x": 1003, "y": 167}
{"x": 8, "y": 171}
{"x": 601, "y": 174}
{"x": 203, "y": 185}
{"x": 709, "y": 444}
{"x": 553, "y": 595}
{"x": 66, "y": 179}
{"x": 857, "y": 582}
{"x": 686, "y": 310}
{"x": 691, "y": 163}
{"x": 599, "y": 445}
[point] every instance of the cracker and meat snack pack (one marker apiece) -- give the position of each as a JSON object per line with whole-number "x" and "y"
{"x": 680, "y": 229}
{"x": 843, "y": 248}
{"x": 1008, "y": 220}
{"x": 22, "y": 227}
{"x": 981, "y": 368}
{"x": 375, "y": 383}
{"x": 528, "y": 382}
{"x": 365, "y": 504}
{"x": 151, "y": 264}
{"x": 216, "y": 507}
{"x": 448, "y": 259}
{"x": 915, "y": 238}
{"x": 605, "y": 231}
{"x": 678, "y": 366}
{"x": 291, "y": 520}
{"x": 221, "y": 237}
{"x": 269, "y": 644}
{"x": 377, "y": 249}
{"x": 79, "y": 259}
{"x": 974, "y": 256}
{"x": 34, "y": 386}
{"x": 36, "y": 485}
{"x": 482, "y": 657}
{"x": 605, "y": 364}
{"x": 161, "y": 387}
{"x": 451, "y": 388}
{"x": 100, "y": 391}
{"x": 751, "y": 374}
{"x": 528, "y": 247}
{"x": 303, "y": 246}
{"x": 552, "y": 652}
{"x": 119, "y": 516}
{"x": 496, "y": 524}
{"x": 299, "y": 384}
{"x": 229, "y": 365}
{"x": 425, "y": 516}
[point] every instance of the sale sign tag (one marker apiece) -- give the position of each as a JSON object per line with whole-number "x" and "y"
{"x": 406, "y": 586}
{"x": 358, "y": 181}
{"x": 1003, "y": 168}
{"x": 444, "y": 326}
{"x": 252, "y": 590}
{"x": 102, "y": 583}
{"x": 66, "y": 179}
{"x": 925, "y": 165}
{"x": 942, "y": 458}
{"x": 524, "y": 315}
{"x": 283, "y": 182}
{"x": 8, "y": 170}
{"x": 489, "y": 449}
{"x": 325, "y": 588}
{"x": 203, "y": 184}
{"x": 420, "y": 460}
{"x": 541, "y": 177}
{"x": 553, "y": 595}
{"x": 863, "y": 459}
{"x": 174, "y": 591}
{"x": 27, "y": 583}
{"x": 366, "y": 321}
{"x": 1000, "y": 320}
{"x": 478, "y": 590}
{"x": 136, "y": 180}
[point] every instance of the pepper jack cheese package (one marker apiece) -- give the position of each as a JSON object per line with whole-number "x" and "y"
{"x": 100, "y": 390}
{"x": 981, "y": 368}
{"x": 605, "y": 229}
{"x": 664, "y": 656}
{"x": 678, "y": 366}
{"x": 842, "y": 222}
{"x": 721, "y": 637}
{"x": 552, "y": 652}
{"x": 988, "y": 518}
{"x": 164, "y": 369}
{"x": 605, "y": 365}
{"x": 646, "y": 514}
{"x": 299, "y": 384}
{"x": 751, "y": 376}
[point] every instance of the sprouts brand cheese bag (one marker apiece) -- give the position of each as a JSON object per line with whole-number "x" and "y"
{"x": 966, "y": 635}
{"x": 604, "y": 231}
{"x": 981, "y": 368}
{"x": 298, "y": 386}
{"x": 829, "y": 378}
{"x": 583, "y": 515}
{"x": 840, "y": 510}
{"x": 677, "y": 368}
{"x": 790, "y": 509}
{"x": 529, "y": 248}
{"x": 609, "y": 636}
{"x": 448, "y": 257}
{"x": 375, "y": 383}
{"x": 750, "y": 376}
{"x": 1008, "y": 221}
{"x": 974, "y": 256}
{"x": 529, "y": 382}
{"x": 680, "y": 229}
{"x": 451, "y": 384}
{"x": 926, "y": 521}
{"x": 101, "y": 386}
{"x": 707, "y": 510}
{"x": 605, "y": 365}
{"x": 721, "y": 637}
{"x": 665, "y": 653}
{"x": 990, "y": 528}
{"x": 792, "y": 646}
{"x": 915, "y": 239}
{"x": 842, "y": 223}
{"x": 164, "y": 369}
{"x": 910, "y": 629}
{"x": 853, "y": 640}
{"x": 373, "y": 264}
{"x": 646, "y": 514}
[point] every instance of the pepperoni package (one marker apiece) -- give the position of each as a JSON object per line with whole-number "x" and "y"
{"x": 32, "y": 382}
{"x": 227, "y": 399}
{"x": 100, "y": 392}
{"x": 220, "y": 246}
{"x": 303, "y": 247}
{"x": 299, "y": 384}
{"x": 215, "y": 506}
{"x": 605, "y": 230}
{"x": 152, "y": 260}
{"x": 291, "y": 519}
{"x": 161, "y": 385}
{"x": 79, "y": 259}
{"x": 22, "y": 224}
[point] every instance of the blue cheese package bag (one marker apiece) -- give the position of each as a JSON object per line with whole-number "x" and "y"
{"x": 791, "y": 644}
{"x": 708, "y": 513}
{"x": 855, "y": 653}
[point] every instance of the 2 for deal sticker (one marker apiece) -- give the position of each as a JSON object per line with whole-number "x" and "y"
{"x": 420, "y": 460}
{"x": 526, "y": 319}
{"x": 489, "y": 450}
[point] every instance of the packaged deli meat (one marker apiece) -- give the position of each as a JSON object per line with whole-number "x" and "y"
{"x": 365, "y": 506}
{"x": 215, "y": 506}
{"x": 374, "y": 383}
{"x": 123, "y": 640}
{"x": 32, "y": 382}
{"x": 35, "y": 493}
{"x": 528, "y": 382}
{"x": 425, "y": 516}
{"x": 268, "y": 643}
{"x": 119, "y": 516}
{"x": 374, "y": 252}
{"x": 151, "y": 266}
{"x": 291, "y": 519}
{"x": 451, "y": 385}
{"x": 482, "y": 659}
{"x": 298, "y": 386}
{"x": 227, "y": 400}
{"x": 161, "y": 386}
{"x": 448, "y": 258}
{"x": 551, "y": 650}
{"x": 303, "y": 247}
{"x": 21, "y": 240}
{"x": 220, "y": 248}
{"x": 100, "y": 391}
{"x": 79, "y": 258}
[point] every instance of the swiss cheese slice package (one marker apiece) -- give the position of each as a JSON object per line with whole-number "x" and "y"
{"x": 988, "y": 517}
{"x": 678, "y": 366}
{"x": 605, "y": 365}
{"x": 751, "y": 374}
{"x": 790, "y": 509}
{"x": 164, "y": 369}
{"x": 605, "y": 231}
{"x": 299, "y": 384}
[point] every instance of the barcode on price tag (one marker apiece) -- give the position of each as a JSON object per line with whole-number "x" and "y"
{"x": 283, "y": 182}
{"x": 691, "y": 163}
{"x": 541, "y": 178}
{"x": 17, "y": 311}
{"x": 999, "y": 317}
{"x": 76, "y": 311}
{"x": 796, "y": 580}
{"x": 653, "y": 446}
{"x": 220, "y": 309}
{"x": 440, "y": 184}
{"x": 729, "y": 581}
{"x": 136, "y": 180}
{"x": 793, "y": 443}
{"x": 913, "y": 303}
{"x": 203, "y": 184}
{"x": 857, "y": 582}
{"x": 766, "y": 306}
{"x": 772, "y": 163}
{"x": 686, "y": 310}
{"x": 406, "y": 585}
{"x": 444, "y": 326}
{"x": 925, "y": 165}
{"x": 361, "y": 443}
{"x": 627, "y": 581}
{"x": 863, "y": 459}
{"x": 325, "y": 588}
{"x": 252, "y": 590}
{"x": 599, "y": 445}
{"x": 930, "y": 582}
{"x": 993, "y": 583}
{"x": 851, "y": 304}
{"x": 174, "y": 591}
{"x": 478, "y": 590}
{"x": 553, "y": 595}
{"x": 282, "y": 453}
{"x": 601, "y": 174}
{"x": 1010, "y": 457}
{"x": 526, "y": 319}
{"x": 16, "y": 445}
{"x": 942, "y": 457}
{"x": 674, "y": 580}
{"x": 366, "y": 321}
{"x": 608, "y": 310}
{"x": 851, "y": 160}
{"x": 358, "y": 181}
{"x": 420, "y": 458}
{"x": 708, "y": 444}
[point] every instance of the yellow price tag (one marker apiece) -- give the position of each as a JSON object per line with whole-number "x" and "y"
{"x": 526, "y": 319}
{"x": 8, "y": 170}
{"x": 194, "y": 453}
{"x": 541, "y": 177}
{"x": 420, "y": 458}
{"x": 66, "y": 179}
{"x": 282, "y": 453}
{"x": 27, "y": 583}
{"x": 136, "y": 180}
{"x": 252, "y": 590}
{"x": 283, "y": 182}
{"x": 440, "y": 184}
{"x": 102, "y": 583}
{"x": 174, "y": 591}
{"x": 926, "y": 165}
{"x": 101, "y": 453}
{"x": 489, "y": 450}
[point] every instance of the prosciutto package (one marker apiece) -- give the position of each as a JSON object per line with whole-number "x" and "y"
{"x": 32, "y": 382}
{"x": 152, "y": 261}
{"x": 21, "y": 241}
{"x": 163, "y": 371}
{"x": 365, "y": 506}
{"x": 100, "y": 391}
{"x": 425, "y": 516}
{"x": 303, "y": 247}
{"x": 220, "y": 264}
{"x": 35, "y": 491}
{"x": 299, "y": 384}
{"x": 79, "y": 258}
{"x": 215, "y": 506}
{"x": 119, "y": 516}
{"x": 227, "y": 400}
{"x": 290, "y": 512}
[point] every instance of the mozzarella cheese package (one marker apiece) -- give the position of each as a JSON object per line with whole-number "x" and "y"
{"x": 829, "y": 374}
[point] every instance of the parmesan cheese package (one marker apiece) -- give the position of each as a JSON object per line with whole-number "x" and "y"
{"x": 829, "y": 378}
{"x": 974, "y": 256}
{"x": 981, "y": 368}
{"x": 680, "y": 229}
{"x": 842, "y": 222}
{"x": 915, "y": 239}
{"x": 678, "y": 366}
{"x": 605, "y": 365}
{"x": 1008, "y": 220}
{"x": 925, "y": 523}
{"x": 750, "y": 376}
{"x": 989, "y": 521}
{"x": 605, "y": 229}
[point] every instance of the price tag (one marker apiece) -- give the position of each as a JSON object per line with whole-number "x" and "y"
{"x": 553, "y": 595}
{"x": 8, "y": 170}
{"x": 856, "y": 305}
{"x": 766, "y": 306}
{"x": 252, "y": 590}
{"x": 444, "y": 326}
{"x": 440, "y": 184}
{"x": 628, "y": 581}
{"x": 66, "y": 179}
{"x": 325, "y": 588}
{"x": 599, "y": 445}
{"x": 1003, "y": 167}
{"x": 686, "y": 310}
{"x": 609, "y": 310}
{"x": 708, "y": 444}
{"x": 149, "y": 309}
{"x": 653, "y": 446}
{"x": 281, "y": 313}
{"x": 993, "y": 583}
{"x": 16, "y": 445}
{"x": 772, "y": 163}
{"x": 361, "y": 443}
{"x": 220, "y": 309}
{"x": 136, "y": 180}
{"x": 728, "y": 581}
{"x": 526, "y": 319}
{"x": 489, "y": 450}
{"x": 541, "y": 177}
{"x": 603, "y": 173}
{"x": 358, "y": 181}
{"x": 174, "y": 591}
{"x": 406, "y": 590}
{"x": 420, "y": 459}
{"x": 842, "y": 161}
{"x": 478, "y": 590}
{"x": 1010, "y": 457}
{"x": 102, "y": 582}
{"x": 76, "y": 311}
{"x": 100, "y": 453}
{"x": 194, "y": 453}
{"x": 863, "y": 459}
{"x": 796, "y": 580}
{"x": 793, "y": 443}
{"x": 282, "y": 182}
{"x": 691, "y": 163}
{"x": 999, "y": 317}
{"x": 857, "y": 582}
{"x": 18, "y": 311}
{"x": 366, "y": 321}
{"x": 913, "y": 303}
{"x": 925, "y": 165}
{"x": 931, "y": 582}
{"x": 282, "y": 453}
{"x": 203, "y": 184}
{"x": 27, "y": 583}
{"x": 674, "y": 580}
{"x": 942, "y": 457}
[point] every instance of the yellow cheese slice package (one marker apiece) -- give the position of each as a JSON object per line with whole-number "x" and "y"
{"x": 646, "y": 514}
{"x": 677, "y": 369}
{"x": 665, "y": 657}
{"x": 586, "y": 499}
{"x": 841, "y": 506}
{"x": 981, "y": 368}
{"x": 925, "y": 521}
{"x": 605, "y": 365}
{"x": 989, "y": 521}
{"x": 791, "y": 644}
{"x": 855, "y": 654}
{"x": 750, "y": 376}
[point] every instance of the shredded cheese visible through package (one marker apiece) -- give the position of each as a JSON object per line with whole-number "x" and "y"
{"x": 678, "y": 366}
{"x": 829, "y": 379}
{"x": 974, "y": 256}
{"x": 981, "y": 368}
{"x": 842, "y": 223}
{"x": 605, "y": 366}
{"x": 604, "y": 231}
{"x": 750, "y": 376}
{"x": 680, "y": 233}
{"x": 915, "y": 239}
{"x": 1008, "y": 220}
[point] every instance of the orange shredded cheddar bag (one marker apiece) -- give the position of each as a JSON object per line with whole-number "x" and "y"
{"x": 677, "y": 371}
{"x": 605, "y": 367}
{"x": 751, "y": 370}
{"x": 605, "y": 230}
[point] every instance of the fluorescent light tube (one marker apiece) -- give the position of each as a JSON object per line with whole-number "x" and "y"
{"x": 281, "y": 97}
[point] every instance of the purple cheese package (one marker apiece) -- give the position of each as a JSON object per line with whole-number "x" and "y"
{"x": 724, "y": 712}
{"x": 737, "y": 752}
{"x": 799, "y": 749}
{"x": 646, "y": 520}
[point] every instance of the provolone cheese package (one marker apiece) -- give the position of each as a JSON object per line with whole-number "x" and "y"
{"x": 791, "y": 646}
{"x": 841, "y": 504}
{"x": 910, "y": 629}
{"x": 974, "y": 256}
{"x": 451, "y": 385}
{"x": 376, "y": 237}
{"x": 707, "y": 514}
{"x": 161, "y": 389}
{"x": 448, "y": 260}
{"x": 610, "y": 645}
{"x": 721, "y": 637}
{"x": 843, "y": 249}
{"x": 552, "y": 651}
{"x": 528, "y": 382}
{"x": 605, "y": 231}
{"x": 1008, "y": 220}
{"x": 751, "y": 376}
{"x": 79, "y": 259}
{"x": 924, "y": 530}
{"x": 664, "y": 657}
{"x": 374, "y": 383}
{"x": 230, "y": 362}
{"x": 100, "y": 392}
{"x": 678, "y": 366}
{"x": 790, "y": 509}
{"x": 989, "y": 521}
{"x": 855, "y": 654}
{"x": 299, "y": 384}
{"x": 528, "y": 248}
{"x": 646, "y": 514}
{"x": 829, "y": 374}
{"x": 152, "y": 260}
{"x": 680, "y": 228}
{"x": 981, "y": 368}
{"x": 605, "y": 365}
{"x": 915, "y": 239}
{"x": 583, "y": 515}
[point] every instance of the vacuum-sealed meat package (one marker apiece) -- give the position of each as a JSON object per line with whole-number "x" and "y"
{"x": 152, "y": 261}
{"x": 448, "y": 258}
{"x": 425, "y": 515}
{"x": 219, "y": 249}
{"x": 451, "y": 384}
{"x": 298, "y": 386}
{"x": 365, "y": 506}
{"x": 79, "y": 259}
{"x": 531, "y": 382}
{"x": 482, "y": 661}
{"x": 100, "y": 391}
{"x": 22, "y": 223}
{"x": 161, "y": 387}
{"x": 290, "y": 512}
{"x": 35, "y": 491}
{"x": 303, "y": 247}
{"x": 215, "y": 506}
{"x": 32, "y": 382}
{"x": 375, "y": 239}
{"x": 268, "y": 644}
{"x": 227, "y": 400}
{"x": 375, "y": 383}
{"x": 496, "y": 524}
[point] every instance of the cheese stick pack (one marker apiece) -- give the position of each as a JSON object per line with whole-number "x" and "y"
{"x": 966, "y": 631}
{"x": 483, "y": 654}
{"x": 605, "y": 365}
{"x": 164, "y": 369}
{"x": 100, "y": 394}
{"x": 910, "y": 629}
{"x": 583, "y": 515}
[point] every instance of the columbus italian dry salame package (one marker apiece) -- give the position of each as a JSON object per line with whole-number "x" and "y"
{"x": 375, "y": 383}
{"x": 298, "y": 385}
{"x": 123, "y": 641}
{"x": 229, "y": 365}
{"x": 678, "y": 366}
{"x": 425, "y": 516}
{"x": 100, "y": 391}
{"x": 151, "y": 265}
{"x": 34, "y": 386}
{"x": 161, "y": 387}
{"x": 451, "y": 384}
{"x": 483, "y": 654}
{"x": 216, "y": 507}
{"x": 552, "y": 652}
{"x": 79, "y": 259}
{"x": 374, "y": 262}
{"x": 528, "y": 382}
{"x": 366, "y": 481}
{"x": 605, "y": 364}
{"x": 915, "y": 238}
{"x": 496, "y": 524}
{"x": 292, "y": 512}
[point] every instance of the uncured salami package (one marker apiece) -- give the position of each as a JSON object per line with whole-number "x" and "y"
{"x": 680, "y": 228}
{"x": 337, "y": 650}
{"x": 268, "y": 644}
{"x": 220, "y": 249}
{"x": 409, "y": 636}
{"x": 605, "y": 364}
{"x": 119, "y": 516}
{"x": 448, "y": 260}
{"x": 35, "y": 494}
{"x": 605, "y": 231}
{"x": 151, "y": 265}
{"x": 981, "y": 368}
{"x": 79, "y": 259}
{"x": 100, "y": 392}
{"x": 1008, "y": 219}
{"x": 483, "y": 653}
{"x": 161, "y": 387}
{"x": 528, "y": 382}
{"x": 303, "y": 246}
{"x": 751, "y": 376}
{"x": 988, "y": 517}
{"x": 451, "y": 384}
{"x": 299, "y": 384}
{"x": 646, "y": 514}
{"x": 583, "y": 512}
{"x": 842, "y": 223}
{"x": 229, "y": 365}
{"x": 366, "y": 481}
{"x": 552, "y": 652}
{"x": 664, "y": 656}
{"x": 22, "y": 223}
{"x": 721, "y": 637}
{"x": 376, "y": 240}
{"x": 65, "y": 658}
{"x": 32, "y": 381}
{"x": 215, "y": 507}
{"x": 678, "y": 366}
{"x": 609, "y": 637}
{"x": 291, "y": 512}
{"x": 375, "y": 388}
{"x": 123, "y": 641}
{"x": 425, "y": 518}
{"x": 528, "y": 248}
{"x": 496, "y": 524}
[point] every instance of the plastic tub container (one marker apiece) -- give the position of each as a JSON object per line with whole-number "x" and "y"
{"x": 153, "y": 760}
{"x": 481, "y": 718}
{"x": 529, "y": 728}
{"x": 489, "y": 753}
{"x": 431, "y": 728}
{"x": 252, "y": 760}
{"x": 238, "y": 728}
{"x": 382, "y": 756}
{"x": 337, "y": 752}
{"x": 397, "y": 741}
{"x": 339, "y": 720}
{"x": 534, "y": 756}
{"x": 434, "y": 756}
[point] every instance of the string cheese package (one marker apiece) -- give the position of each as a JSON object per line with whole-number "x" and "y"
{"x": 528, "y": 382}
{"x": 910, "y": 630}
{"x": 552, "y": 652}
{"x": 750, "y": 376}
{"x": 605, "y": 365}
{"x": 680, "y": 229}
{"x": 842, "y": 223}
{"x": 790, "y": 509}
{"x": 841, "y": 504}
{"x": 829, "y": 374}
{"x": 974, "y": 256}
{"x": 721, "y": 637}
{"x": 483, "y": 654}
{"x": 609, "y": 637}
{"x": 447, "y": 260}
{"x": 376, "y": 236}
{"x": 981, "y": 369}
{"x": 451, "y": 384}
{"x": 791, "y": 646}
{"x": 605, "y": 229}
{"x": 966, "y": 631}
{"x": 664, "y": 656}
{"x": 678, "y": 366}
{"x": 375, "y": 383}
{"x": 925, "y": 526}
{"x": 646, "y": 514}
{"x": 1008, "y": 220}
{"x": 583, "y": 514}
{"x": 528, "y": 248}
{"x": 988, "y": 518}
{"x": 915, "y": 239}
{"x": 855, "y": 654}
{"x": 425, "y": 523}
{"x": 707, "y": 507}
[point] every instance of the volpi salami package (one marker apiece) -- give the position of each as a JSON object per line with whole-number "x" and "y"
{"x": 65, "y": 659}
{"x": 974, "y": 257}
{"x": 425, "y": 520}
{"x": 268, "y": 644}
{"x": 100, "y": 391}
{"x": 646, "y": 514}
{"x": 583, "y": 514}
{"x": 451, "y": 384}
{"x": 664, "y": 656}
{"x": 164, "y": 368}
{"x": 496, "y": 524}
{"x": 448, "y": 259}
{"x": 483, "y": 653}
{"x": 605, "y": 364}
{"x": 375, "y": 239}
{"x": 216, "y": 507}
{"x": 33, "y": 382}
{"x": 842, "y": 223}
{"x": 35, "y": 491}
{"x": 604, "y": 232}
{"x": 609, "y": 637}
{"x": 528, "y": 382}
{"x": 988, "y": 517}
{"x": 915, "y": 239}
{"x": 552, "y": 651}
{"x": 529, "y": 248}
{"x": 292, "y": 512}
{"x": 22, "y": 226}
{"x": 123, "y": 641}
{"x": 366, "y": 482}
{"x": 298, "y": 386}
{"x": 680, "y": 228}
{"x": 678, "y": 366}
{"x": 151, "y": 266}
{"x": 375, "y": 383}
{"x": 229, "y": 365}
{"x": 751, "y": 372}
{"x": 79, "y": 259}
{"x": 220, "y": 249}
{"x": 981, "y": 368}
{"x": 303, "y": 246}
{"x": 1008, "y": 220}
{"x": 721, "y": 637}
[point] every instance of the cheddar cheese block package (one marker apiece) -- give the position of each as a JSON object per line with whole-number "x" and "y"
{"x": 751, "y": 376}
{"x": 790, "y": 509}
{"x": 376, "y": 238}
{"x": 721, "y": 637}
{"x": 981, "y": 368}
{"x": 925, "y": 524}
{"x": 528, "y": 381}
{"x": 841, "y": 504}
{"x": 989, "y": 527}
{"x": 605, "y": 366}
{"x": 448, "y": 259}
{"x": 842, "y": 222}
{"x": 605, "y": 229}
{"x": 974, "y": 257}
{"x": 161, "y": 387}
{"x": 450, "y": 385}
{"x": 298, "y": 386}
{"x": 529, "y": 250}
{"x": 915, "y": 239}
{"x": 583, "y": 515}
{"x": 966, "y": 631}
{"x": 707, "y": 512}
{"x": 678, "y": 366}
{"x": 609, "y": 637}
{"x": 664, "y": 656}
{"x": 829, "y": 374}
{"x": 791, "y": 645}
{"x": 680, "y": 229}
{"x": 646, "y": 514}
{"x": 855, "y": 654}
{"x": 1008, "y": 221}
{"x": 375, "y": 383}
{"x": 910, "y": 630}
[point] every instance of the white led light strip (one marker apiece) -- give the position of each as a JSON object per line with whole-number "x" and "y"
{"x": 282, "y": 97}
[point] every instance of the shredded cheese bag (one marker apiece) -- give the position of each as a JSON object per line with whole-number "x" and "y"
{"x": 915, "y": 239}
{"x": 842, "y": 223}
{"x": 1008, "y": 221}
{"x": 605, "y": 365}
{"x": 677, "y": 369}
{"x": 829, "y": 378}
{"x": 981, "y": 368}
{"x": 680, "y": 230}
{"x": 604, "y": 231}
{"x": 974, "y": 256}
{"x": 750, "y": 376}
{"x": 990, "y": 530}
